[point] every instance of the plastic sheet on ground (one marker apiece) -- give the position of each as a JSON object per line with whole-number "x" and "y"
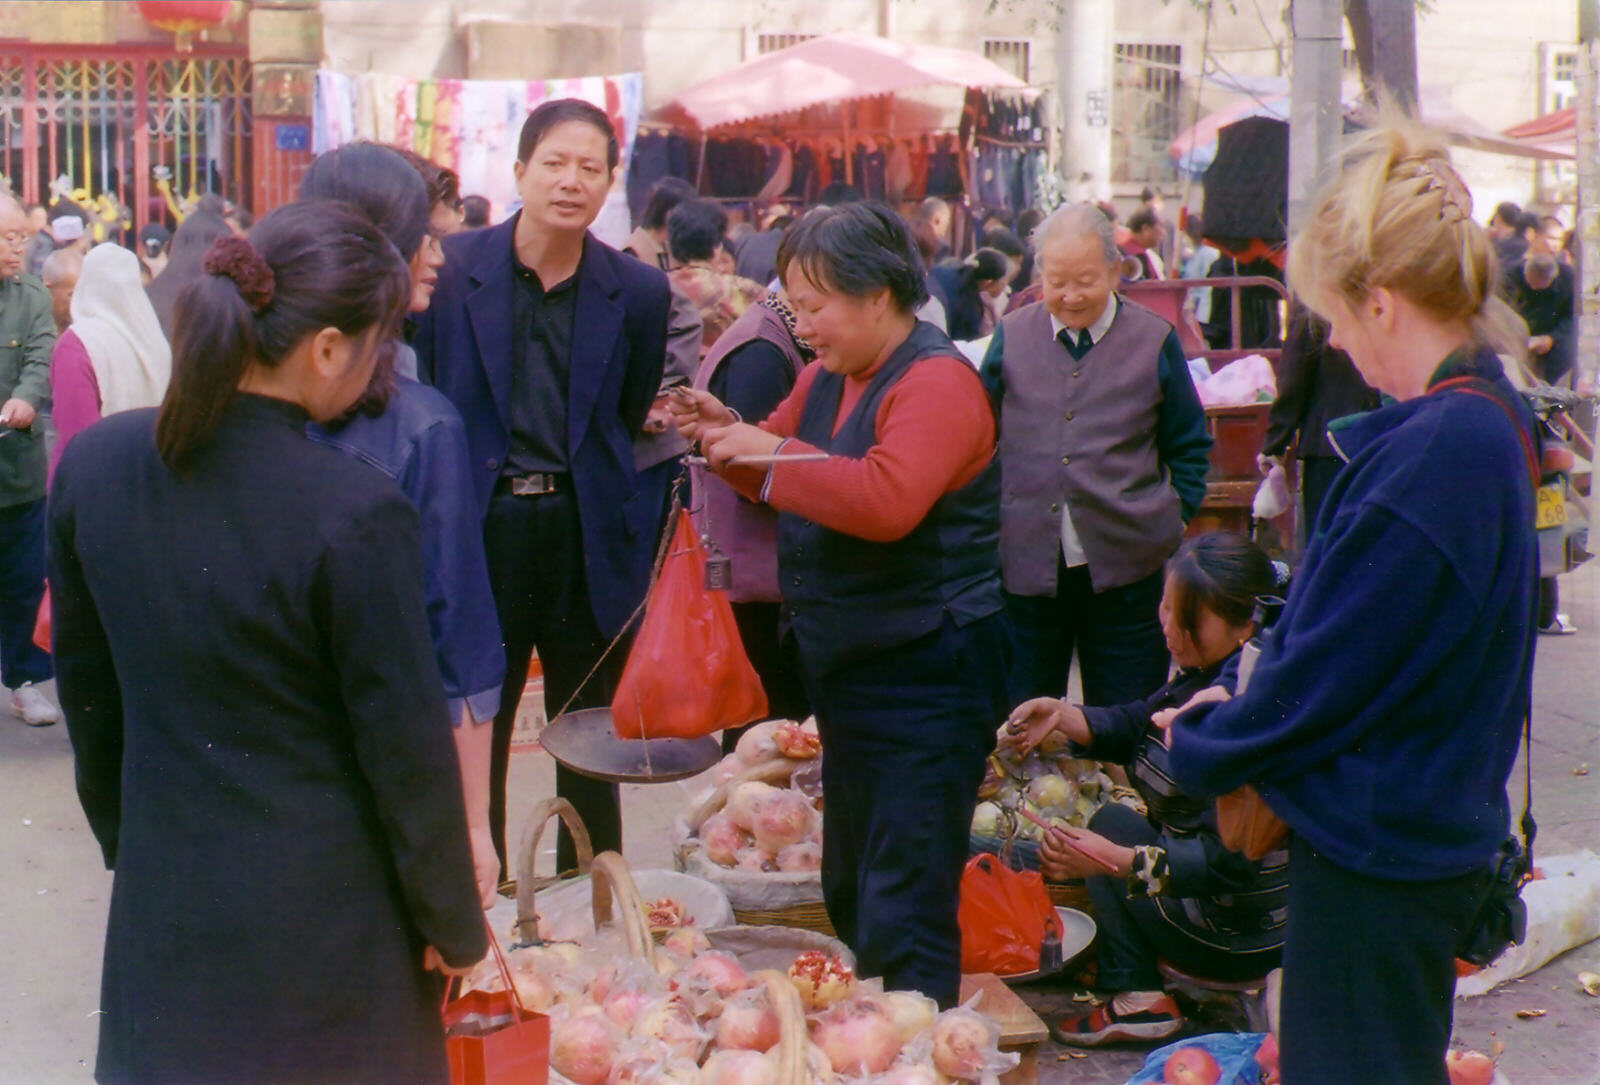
{"x": 1563, "y": 913}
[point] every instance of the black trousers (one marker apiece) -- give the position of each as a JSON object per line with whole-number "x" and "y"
{"x": 1122, "y": 654}
{"x": 1316, "y": 475}
{"x": 776, "y": 662}
{"x": 906, "y": 732}
{"x": 1369, "y": 974}
{"x": 21, "y": 588}
{"x": 534, "y": 547}
{"x": 1136, "y": 932}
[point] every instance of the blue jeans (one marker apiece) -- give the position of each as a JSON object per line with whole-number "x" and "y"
{"x": 21, "y": 588}
{"x": 1116, "y": 633}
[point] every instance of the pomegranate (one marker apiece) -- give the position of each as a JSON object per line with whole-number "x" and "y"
{"x": 747, "y": 1022}
{"x": 1267, "y": 1060}
{"x": 758, "y": 744}
{"x": 722, "y": 839}
{"x": 1191, "y": 1066}
{"x": 671, "y": 1024}
{"x": 906, "y": 1073}
{"x": 687, "y": 942}
{"x": 782, "y": 818}
{"x": 961, "y": 1042}
{"x": 912, "y": 1014}
{"x": 794, "y": 741}
{"x": 858, "y": 1037}
{"x": 667, "y": 914}
{"x": 744, "y": 800}
{"x": 583, "y": 1046}
{"x": 1469, "y": 1068}
{"x": 800, "y": 858}
{"x": 739, "y": 1068}
{"x": 821, "y": 979}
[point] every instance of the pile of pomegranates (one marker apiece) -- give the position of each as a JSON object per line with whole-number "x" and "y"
{"x": 697, "y": 1017}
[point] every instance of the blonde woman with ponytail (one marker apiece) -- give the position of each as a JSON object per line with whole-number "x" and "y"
{"x": 1383, "y": 718}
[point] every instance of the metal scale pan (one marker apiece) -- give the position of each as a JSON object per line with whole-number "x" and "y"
{"x": 585, "y": 742}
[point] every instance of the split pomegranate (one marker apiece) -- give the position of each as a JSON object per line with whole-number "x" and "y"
{"x": 858, "y": 1037}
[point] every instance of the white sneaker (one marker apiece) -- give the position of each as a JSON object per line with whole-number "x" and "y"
{"x": 33, "y": 706}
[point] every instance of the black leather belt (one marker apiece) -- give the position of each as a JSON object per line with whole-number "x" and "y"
{"x": 531, "y": 484}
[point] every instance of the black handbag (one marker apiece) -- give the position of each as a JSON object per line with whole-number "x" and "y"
{"x": 1500, "y": 919}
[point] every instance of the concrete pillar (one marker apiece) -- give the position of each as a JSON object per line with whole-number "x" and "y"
{"x": 1085, "y": 59}
{"x": 1315, "y": 112}
{"x": 1587, "y": 222}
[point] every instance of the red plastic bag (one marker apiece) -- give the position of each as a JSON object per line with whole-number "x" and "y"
{"x": 1003, "y": 915}
{"x": 687, "y": 674}
{"x": 41, "y": 624}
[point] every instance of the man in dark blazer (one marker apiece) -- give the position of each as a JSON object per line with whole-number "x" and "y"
{"x": 551, "y": 345}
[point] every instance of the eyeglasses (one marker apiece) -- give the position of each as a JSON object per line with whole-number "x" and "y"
{"x": 16, "y": 239}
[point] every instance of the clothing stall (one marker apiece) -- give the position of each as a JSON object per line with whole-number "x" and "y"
{"x": 785, "y": 125}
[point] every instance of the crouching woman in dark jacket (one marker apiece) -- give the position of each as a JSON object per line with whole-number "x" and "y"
{"x": 1176, "y": 894}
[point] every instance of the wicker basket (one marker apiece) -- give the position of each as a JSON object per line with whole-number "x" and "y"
{"x": 808, "y": 917}
{"x": 792, "y": 900}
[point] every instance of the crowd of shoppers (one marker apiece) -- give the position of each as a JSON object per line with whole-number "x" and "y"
{"x": 407, "y": 450}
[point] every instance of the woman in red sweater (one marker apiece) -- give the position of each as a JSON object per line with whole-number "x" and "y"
{"x": 890, "y": 573}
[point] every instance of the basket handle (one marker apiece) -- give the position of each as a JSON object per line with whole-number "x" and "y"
{"x": 790, "y": 1053}
{"x": 767, "y": 771}
{"x": 532, "y": 833}
{"x": 612, "y": 883}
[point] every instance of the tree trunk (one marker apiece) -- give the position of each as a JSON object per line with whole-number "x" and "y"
{"x": 1385, "y": 37}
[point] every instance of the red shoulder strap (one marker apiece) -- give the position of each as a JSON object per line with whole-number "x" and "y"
{"x": 1474, "y": 386}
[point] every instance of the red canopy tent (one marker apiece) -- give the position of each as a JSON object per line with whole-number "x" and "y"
{"x": 833, "y": 68}
{"x": 1557, "y": 127}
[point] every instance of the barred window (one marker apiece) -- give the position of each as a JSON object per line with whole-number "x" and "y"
{"x": 1012, "y": 54}
{"x": 771, "y": 43}
{"x": 1144, "y": 111}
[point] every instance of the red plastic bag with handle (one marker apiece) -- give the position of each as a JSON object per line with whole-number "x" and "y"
{"x": 1003, "y": 915}
{"x": 687, "y": 674}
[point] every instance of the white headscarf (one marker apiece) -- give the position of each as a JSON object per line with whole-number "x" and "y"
{"x": 112, "y": 316}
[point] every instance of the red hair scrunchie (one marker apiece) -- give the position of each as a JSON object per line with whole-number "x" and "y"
{"x": 237, "y": 259}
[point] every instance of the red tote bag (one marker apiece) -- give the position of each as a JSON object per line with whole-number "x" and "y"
{"x": 491, "y": 1039}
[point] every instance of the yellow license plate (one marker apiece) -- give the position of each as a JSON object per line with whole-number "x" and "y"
{"x": 1551, "y": 510}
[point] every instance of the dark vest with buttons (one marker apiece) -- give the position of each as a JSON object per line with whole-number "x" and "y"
{"x": 847, "y": 598}
{"x": 1083, "y": 431}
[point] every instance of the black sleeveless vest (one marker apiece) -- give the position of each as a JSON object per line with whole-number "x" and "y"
{"x": 846, "y": 598}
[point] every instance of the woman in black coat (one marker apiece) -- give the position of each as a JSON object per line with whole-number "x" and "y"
{"x": 242, "y": 651}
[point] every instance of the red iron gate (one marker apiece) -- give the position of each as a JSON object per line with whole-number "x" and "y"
{"x": 139, "y": 129}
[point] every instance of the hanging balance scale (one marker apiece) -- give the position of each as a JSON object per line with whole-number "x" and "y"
{"x": 586, "y": 741}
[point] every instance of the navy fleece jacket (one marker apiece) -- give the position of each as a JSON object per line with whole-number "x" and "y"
{"x": 1383, "y": 717}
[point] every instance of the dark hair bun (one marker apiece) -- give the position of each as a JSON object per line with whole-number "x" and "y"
{"x": 235, "y": 258}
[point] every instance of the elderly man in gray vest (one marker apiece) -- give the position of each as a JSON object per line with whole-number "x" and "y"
{"x": 1103, "y": 458}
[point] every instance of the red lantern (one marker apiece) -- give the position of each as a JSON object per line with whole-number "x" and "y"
{"x": 185, "y": 18}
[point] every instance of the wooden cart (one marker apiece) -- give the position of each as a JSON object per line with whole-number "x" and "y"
{"x": 1237, "y": 433}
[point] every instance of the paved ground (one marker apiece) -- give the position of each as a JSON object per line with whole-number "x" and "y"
{"x": 53, "y": 891}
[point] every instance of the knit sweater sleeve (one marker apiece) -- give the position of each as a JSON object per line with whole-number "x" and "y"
{"x": 935, "y": 433}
